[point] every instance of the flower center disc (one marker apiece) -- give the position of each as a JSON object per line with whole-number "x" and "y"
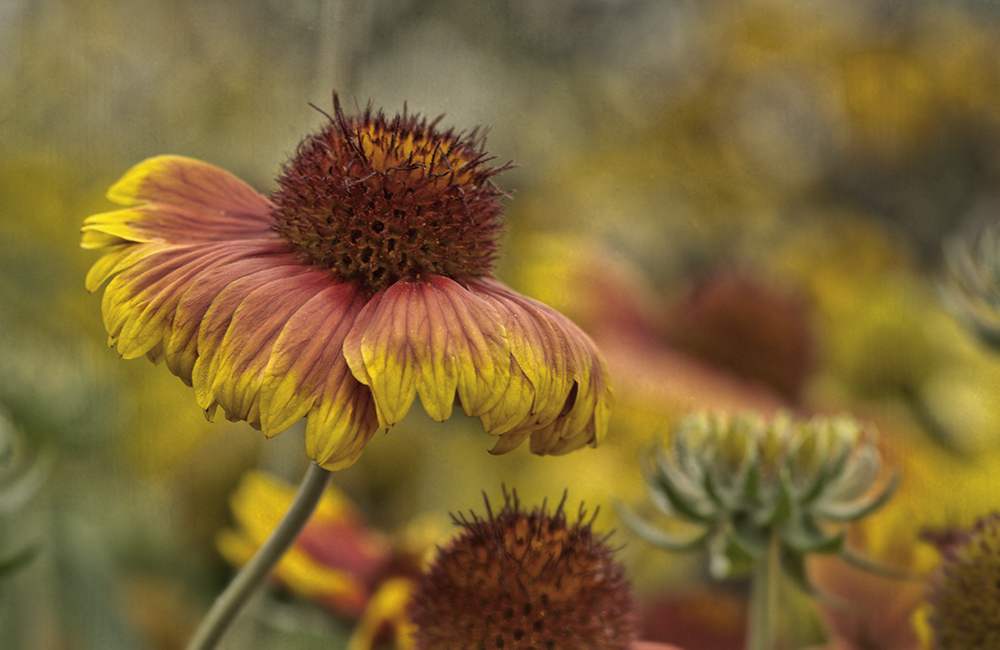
{"x": 380, "y": 200}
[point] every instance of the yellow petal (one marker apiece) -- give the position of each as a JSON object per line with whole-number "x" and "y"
{"x": 388, "y": 607}
{"x": 571, "y": 398}
{"x": 237, "y": 332}
{"x": 308, "y": 376}
{"x": 180, "y": 200}
{"x": 434, "y": 338}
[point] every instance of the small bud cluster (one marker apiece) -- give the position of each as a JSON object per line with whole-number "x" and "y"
{"x": 743, "y": 481}
{"x": 972, "y": 290}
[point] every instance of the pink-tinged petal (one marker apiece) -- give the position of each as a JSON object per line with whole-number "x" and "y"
{"x": 308, "y": 376}
{"x": 229, "y": 366}
{"x": 124, "y": 294}
{"x": 179, "y": 200}
{"x": 236, "y": 371}
{"x": 244, "y": 259}
{"x": 116, "y": 260}
{"x": 572, "y": 394}
{"x": 434, "y": 338}
{"x": 140, "y": 302}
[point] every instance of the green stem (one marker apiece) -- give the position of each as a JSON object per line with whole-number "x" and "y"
{"x": 764, "y": 598}
{"x": 252, "y": 575}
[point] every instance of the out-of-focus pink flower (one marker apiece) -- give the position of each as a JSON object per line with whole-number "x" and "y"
{"x": 337, "y": 561}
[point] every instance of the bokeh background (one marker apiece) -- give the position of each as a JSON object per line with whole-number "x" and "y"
{"x": 743, "y": 202}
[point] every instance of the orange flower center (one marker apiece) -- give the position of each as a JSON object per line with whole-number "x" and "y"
{"x": 380, "y": 200}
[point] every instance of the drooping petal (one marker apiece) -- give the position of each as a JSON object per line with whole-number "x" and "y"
{"x": 237, "y": 372}
{"x": 308, "y": 376}
{"x": 140, "y": 301}
{"x": 117, "y": 259}
{"x": 431, "y": 337}
{"x": 237, "y": 332}
{"x": 179, "y": 200}
{"x": 247, "y": 260}
{"x": 568, "y": 379}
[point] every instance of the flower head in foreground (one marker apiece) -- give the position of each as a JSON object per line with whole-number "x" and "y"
{"x": 518, "y": 580}
{"x": 963, "y": 596}
{"x": 362, "y": 282}
{"x": 743, "y": 483}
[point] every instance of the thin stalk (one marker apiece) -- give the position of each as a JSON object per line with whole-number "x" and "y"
{"x": 764, "y": 598}
{"x": 252, "y": 575}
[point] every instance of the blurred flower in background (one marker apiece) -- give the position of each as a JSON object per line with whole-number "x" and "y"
{"x": 337, "y": 561}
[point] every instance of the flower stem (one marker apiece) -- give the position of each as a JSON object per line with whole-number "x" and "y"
{"x": 252, "y": 575}
{"x": 764, "y": 598}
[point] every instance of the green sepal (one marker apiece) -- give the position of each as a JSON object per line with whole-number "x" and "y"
{"x": 679, "y": 504}
{"x": 805, "y": 536}
{"x": 15, "y": 495}
{"x": 781, "y": 510}
{"x": 794, "y": 565}
{"x": 654, "y": 535}
{"x": 651, "y": 478}
{"x": 861, "y": 508}
{"x": 827, "y": 470}
{"x": 750, "y": 537}
{"x": 858, "y": 477}
{"x": 727, "y": 557}
{"x": 751, "y": 487}
{"x": 712, "y": 490}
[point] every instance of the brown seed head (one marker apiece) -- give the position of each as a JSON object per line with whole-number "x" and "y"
{"x": 964, "y": 592}
{"x": 520, "y": 581}
{"x": 378, "y": 200}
